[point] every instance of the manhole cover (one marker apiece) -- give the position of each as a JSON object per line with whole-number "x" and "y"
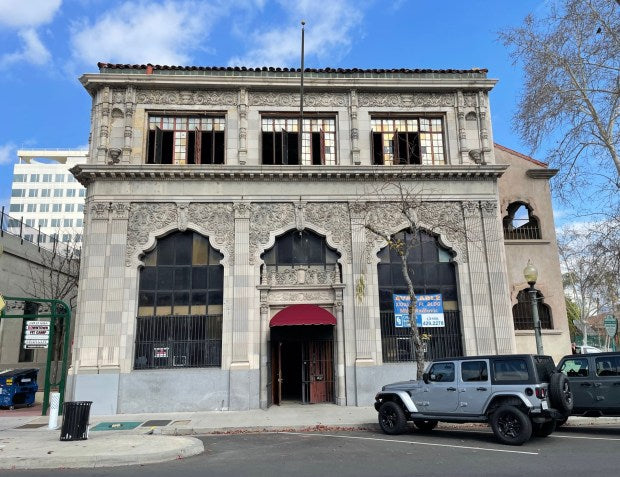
{"x": 116, "y": 426}
{"x": 31, "y": 426}
{"x": 156, "y": 422}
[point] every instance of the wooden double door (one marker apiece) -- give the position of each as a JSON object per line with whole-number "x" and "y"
{"x": 302, "y": 369}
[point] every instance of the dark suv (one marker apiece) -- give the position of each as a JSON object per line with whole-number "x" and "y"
{"x": 595, "y": 383}
{"x": 518, "y": 395}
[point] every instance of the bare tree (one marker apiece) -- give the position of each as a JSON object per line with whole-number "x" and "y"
{"x": 55, "y": 276}
{"x": 571, "y": 59}
{"x": 407, "y": 204}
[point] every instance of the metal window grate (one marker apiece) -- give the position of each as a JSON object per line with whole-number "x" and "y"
{"x": 522, "y": 312}
{"x": 525, "y": 232}
{"x": 397, "y": 343}
{"x": 189, "y": 341}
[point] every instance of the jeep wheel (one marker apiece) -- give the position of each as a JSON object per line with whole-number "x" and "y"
{"x": 511, "y": 426}
{"x": 392, "y": 418}
{"x": 560, "y": 394}
{"x": 544, "y": 429}
{"x": 424, "y": 425}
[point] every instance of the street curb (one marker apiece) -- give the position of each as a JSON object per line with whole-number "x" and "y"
{"x": 188, "y": 447}
{"x": 259, "y": 429}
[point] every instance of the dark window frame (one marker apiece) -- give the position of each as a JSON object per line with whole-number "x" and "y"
{"x": 529, "y": 230}
{"x": 522, "y": 312}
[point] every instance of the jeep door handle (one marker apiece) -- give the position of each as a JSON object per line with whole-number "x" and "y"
{"x": 481, "y": 389}
{"x": 450, "y": 389}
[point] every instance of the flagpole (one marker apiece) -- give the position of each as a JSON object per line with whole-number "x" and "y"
{"x": 301, "y": 96}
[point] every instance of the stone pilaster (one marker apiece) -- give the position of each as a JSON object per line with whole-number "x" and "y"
{"x": 243, "y": 126}
{"x": 264, "y": 350}
{"x": 355, "y": 132}
{"x": 500, "y": 295}
{"x": 484, "y": 328}
{"x": 341, "y": 392}
{"x": 243, "y": 285}
{"x": 364, "y": 332}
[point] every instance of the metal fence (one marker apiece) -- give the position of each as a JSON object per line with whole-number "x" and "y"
{"x": 397, "y": 343}
{"x": 26, "y": 233}
{"x": 185, "y": 341}
{"x": 525, "y": 232}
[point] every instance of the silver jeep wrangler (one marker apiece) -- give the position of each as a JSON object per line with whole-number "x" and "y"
{"x": 518, "y": 395}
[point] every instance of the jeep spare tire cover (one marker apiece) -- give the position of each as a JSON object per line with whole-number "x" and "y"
{"x": 560, "y": 393}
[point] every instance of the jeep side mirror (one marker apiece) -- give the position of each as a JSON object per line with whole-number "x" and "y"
{"x": 425, "y": 378}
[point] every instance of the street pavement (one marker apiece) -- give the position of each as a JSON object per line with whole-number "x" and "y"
{"x": 27, "y": 442}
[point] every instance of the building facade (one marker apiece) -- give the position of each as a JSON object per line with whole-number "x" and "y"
{"x": 235, "y": 253}
{"x": 46, "y": 197}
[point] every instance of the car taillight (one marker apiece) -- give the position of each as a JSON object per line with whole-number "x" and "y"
{"x": 541, "y": 393}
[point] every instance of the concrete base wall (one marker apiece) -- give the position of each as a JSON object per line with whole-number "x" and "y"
{"x": 101, "y": 389}
{"x": 371, "y": 378}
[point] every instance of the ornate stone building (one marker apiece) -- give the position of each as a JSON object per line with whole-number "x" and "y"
{"x": 229, "y": 254}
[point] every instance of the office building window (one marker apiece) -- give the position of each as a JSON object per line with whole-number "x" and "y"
{"x": 186, "y": 140}
{"x": 34, "y": 177}
{"x": 58, "y": 192}
{"x": 80, "y": 208}
{"x": 68, "y": 223}
{"x": 31, "y": 208}
{"x": 30, "y": 222}
{"x": 47, "y": 178}
{"x": 19, "y": 178}
{"x": 33, "y": 193}
{"x": 70, "y": 192}
{"x": 55, "y": 222}
{"x": 42, "y": 222}
{"x": 46, "y": 192}
{"x": 56, "y": 207}
{"x": 69, "y": 207}
{"x": 79, "y": 222}
{"x": 82, "y": 192}
{"x": 60, "y": 178}
{"x": 16, "y": 208}
{"x": 18, "y": 193}
{"x": 66, "y": 238}
{"x": 44, "y": 207}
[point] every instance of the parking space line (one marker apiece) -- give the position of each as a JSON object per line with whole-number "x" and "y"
{"x": 411, "y": 442}
{"x": 586, "y": 437}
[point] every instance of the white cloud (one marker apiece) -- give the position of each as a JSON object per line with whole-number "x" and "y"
{"x": 25, "y": 17}
{"x": 146, "y": 32}
{"x": 330, "y": 25}
{"x": 30, "y": 13}
{"x": 33, "y": 51}
{"x": 8, "y": 153}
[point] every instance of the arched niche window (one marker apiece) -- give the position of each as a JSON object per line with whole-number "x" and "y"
{"x": 522, "y": 312}
{"x": 434, "y": 272}
{"x": 520, "y": 224}
{"x": 301, "y": 249}
{"x": 180, "y": 301}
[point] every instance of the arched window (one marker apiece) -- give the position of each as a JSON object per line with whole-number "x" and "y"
{"x": 179, "y": 320}
{"x": 520, "y": 224}
{"x": 303, "y": 248}
{"x": 522, "y": 312}
{"x": 434, "y": 272}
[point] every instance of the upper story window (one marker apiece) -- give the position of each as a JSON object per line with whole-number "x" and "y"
{"x": 186, "y": 140}
{"x": 280, "y": 141}
{"x": 520, "y": 224}
{"x": 399, "y": 141}
{"x": 19, "y": 178}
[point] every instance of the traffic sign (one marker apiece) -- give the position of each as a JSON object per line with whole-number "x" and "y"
{"x": 611, "y": 325}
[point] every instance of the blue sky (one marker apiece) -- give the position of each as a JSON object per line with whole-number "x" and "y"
{"x": 45, "y": 45}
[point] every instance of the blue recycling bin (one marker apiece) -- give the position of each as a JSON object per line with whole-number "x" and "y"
{"x": 18, "y": 387}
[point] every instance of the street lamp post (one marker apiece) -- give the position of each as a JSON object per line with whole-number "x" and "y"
{"x": 531, "y": 275}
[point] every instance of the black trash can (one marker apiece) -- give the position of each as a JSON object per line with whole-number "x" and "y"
{"x": 75, "y": 416}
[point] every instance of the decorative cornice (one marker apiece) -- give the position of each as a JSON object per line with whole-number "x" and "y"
{"x": 87, "y": 174}
{"x": 541, "y": 173}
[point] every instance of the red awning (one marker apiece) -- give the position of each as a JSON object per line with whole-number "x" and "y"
{"x": 303, "y": 315}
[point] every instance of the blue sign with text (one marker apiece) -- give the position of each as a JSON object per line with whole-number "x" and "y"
{"x": 429, "y": 311}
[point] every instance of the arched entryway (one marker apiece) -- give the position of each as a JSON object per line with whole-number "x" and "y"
{"x": 302, "y": 355}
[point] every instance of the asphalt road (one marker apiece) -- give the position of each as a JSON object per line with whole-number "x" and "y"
{"x": 443, "y": 452}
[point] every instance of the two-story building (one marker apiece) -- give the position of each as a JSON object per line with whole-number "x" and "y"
{"x": 229, "y": 258}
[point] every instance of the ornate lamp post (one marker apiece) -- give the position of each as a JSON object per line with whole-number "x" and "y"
{"x": 531, "y": 275}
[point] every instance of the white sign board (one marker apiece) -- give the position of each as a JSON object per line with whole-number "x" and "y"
{"x": 36, "y": 334}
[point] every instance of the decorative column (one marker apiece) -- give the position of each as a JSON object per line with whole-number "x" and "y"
{"x": 484, "y": 132}
{"x": 241, "y": 305}
{"x": 243, "y": 126}
{"x": 484, "y": 328}
{"x": 104, "y": 124}
{"x": 264, "y": 350}
{"x": 364, "y": 336}
{"x": 460, "y": 112}
{"x": 129, "y": 107}
{"x": 341, "y": 391}
{"x": 355, "y": 132}
{"x": 500, "y": 296}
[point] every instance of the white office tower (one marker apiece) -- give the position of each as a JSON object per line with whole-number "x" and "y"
{"x": 46, "y": 197}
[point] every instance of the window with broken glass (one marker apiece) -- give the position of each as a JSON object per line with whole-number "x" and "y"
{"x": 402, "y": 141}
{"x": 280, "y": 141}
{"x": 186, "y": 140}
{"x": 180, "y": 302}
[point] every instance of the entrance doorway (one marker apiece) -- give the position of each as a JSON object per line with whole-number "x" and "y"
{"x": 302, "y": 364}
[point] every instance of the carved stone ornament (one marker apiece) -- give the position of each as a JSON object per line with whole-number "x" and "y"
{"x": 444, "y": 219}
{"x": 489, "y": 208}
{"x": 301, "y": 297}
{"x": 210, "y": 219}
{"x": 301, "y": 276}
{"x": 258, "y": 98}
{"x": 471, "y": 208}
{"x": 242, "y": 210}
{"x": 265, "y": 218}
{"x": 404, "y": 100}
{"x": 119, "y": 210}
{"x": 216, "y": 98}
{"x": 333, "y": 218}
{"x": 355, "y": 133}
{"x": 358, "y": 209}
{"x": 469, "y": 100}
{"x": 100, "y": 210}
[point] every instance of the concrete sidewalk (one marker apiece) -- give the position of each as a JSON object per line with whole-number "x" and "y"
{"x": 26, "y": 442}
